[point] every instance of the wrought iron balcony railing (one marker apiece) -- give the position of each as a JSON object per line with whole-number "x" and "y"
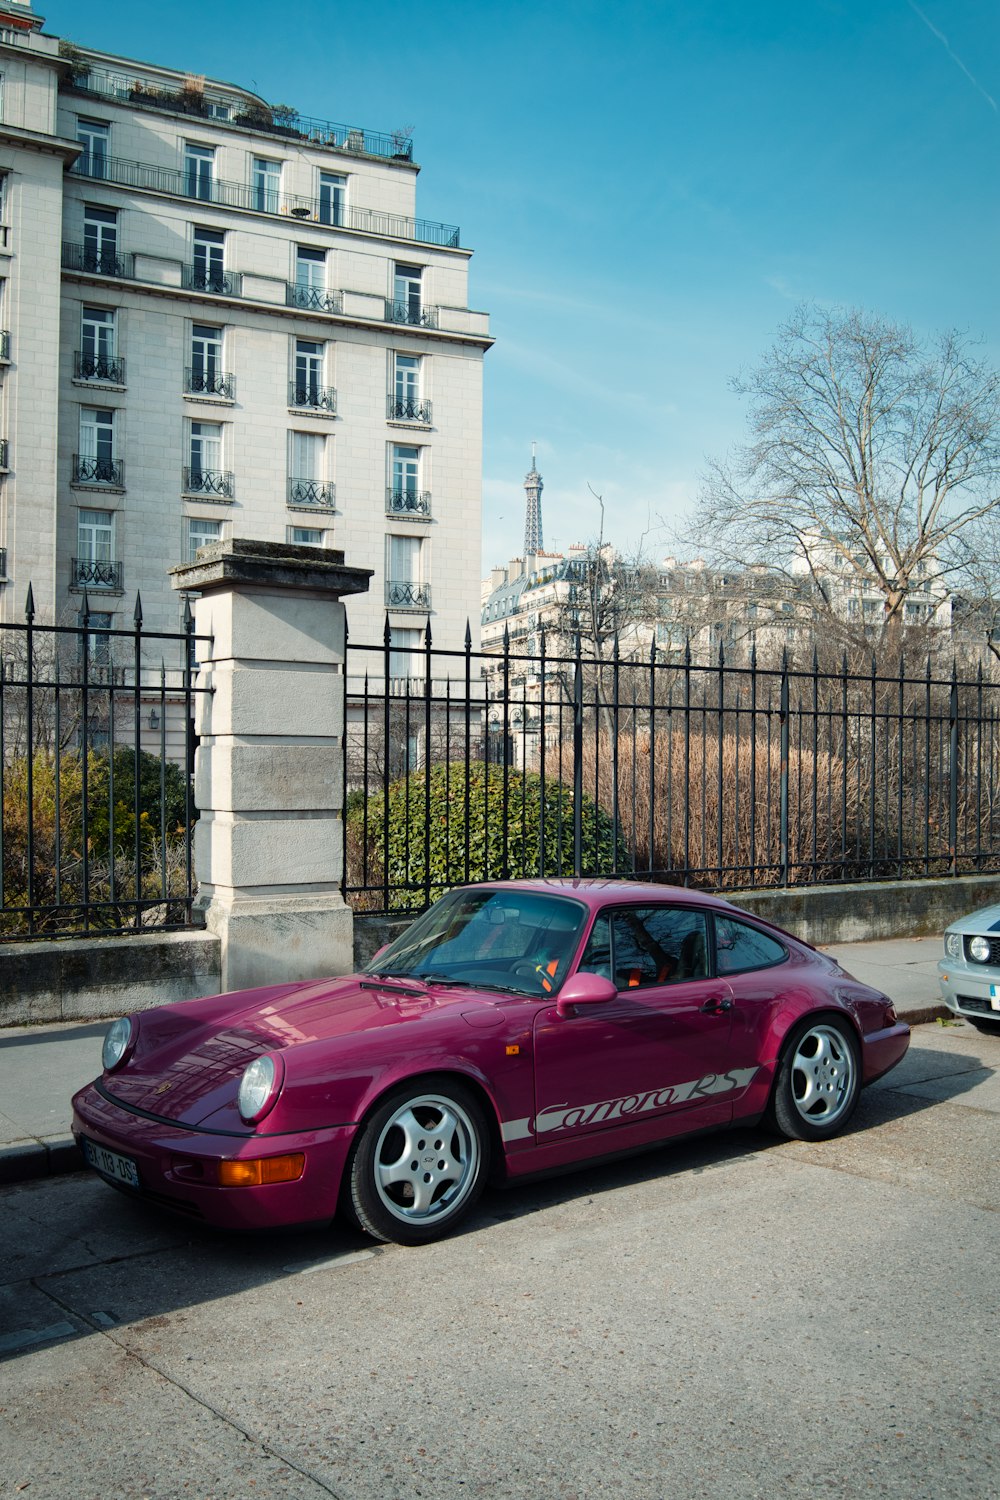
{"x": 88, "y": 469}
{"x": 98, "y": 262}
{"x": 199, "y": 481}
{"x": 4, "y": 343}
{"x": 3, "y": 562}
{"x": 317, "y": 397}
{"x": 4, "y": 453}
{"x": 96, "y": 573}
{"x": 206, "y": 279}
{"x": 408, "y": 409}
{"x": 99, "y": 367}
{"x": 210, "y": 383}
{"x": 408, "y": 502}
{"x": 318, "y": 494}
{"x": 313, "y": 298}
{"x": 280, "y": 120}
{"x": 403, "y": 593}
{"x": 397, "y": 311}
{"x": 180, "y": 183}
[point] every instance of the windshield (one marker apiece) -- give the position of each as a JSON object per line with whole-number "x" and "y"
{"x": 518, "y": 941}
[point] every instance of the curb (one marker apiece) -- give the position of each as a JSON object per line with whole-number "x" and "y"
{"x": 50, "y": 1156}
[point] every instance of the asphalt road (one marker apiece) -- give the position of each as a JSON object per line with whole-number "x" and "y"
{"x": 733, "y": 1318}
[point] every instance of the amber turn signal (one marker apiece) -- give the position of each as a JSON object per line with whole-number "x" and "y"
{"x": 262, "y": 1170}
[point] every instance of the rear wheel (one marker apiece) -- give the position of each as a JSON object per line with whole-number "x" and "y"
{"x": 419, "y": 1163}
{"x": 818, "y": 1080}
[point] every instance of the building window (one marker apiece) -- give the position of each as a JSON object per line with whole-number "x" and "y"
{"x": 206, "y": 474}
{"x": 405, "y": 588}
{"x": 209, "y": 273}
{"x": 404, "y": 652}
{"x": 310, "y": 277}
{"x": 98, "y": 639}
{"x": 96, "y": 459}
{"x": 100, "y": 240}
{"x": 199, "y": 171}
{"x": 332, "y": 197}
{"x": 306, "y": 536}
{"x": 206, "y": 375}
{"x": 307, "y": 385}
{"x": 307, "y": 481}
{"x": 94, "y": 565}
{"x": 406, "y": 300}
{"x": 405, "y": 494}
{"x": 3, "y": 197}
{"x": 405, "y": 403}
{"x": 3, "y": 95}
{"x": 216, "y": 110}
{"x": 266, "y": 185}
{"x": 201, "y": 534}
{"x": 95, "y": 138}
{"x": 98, "y": 346}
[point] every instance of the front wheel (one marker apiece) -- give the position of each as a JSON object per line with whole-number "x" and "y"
{"x": 419, "y": 1163}
{"x": 817, "y": 1083}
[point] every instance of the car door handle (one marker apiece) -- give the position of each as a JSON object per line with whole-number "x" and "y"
{"x": 717, "y": 1005}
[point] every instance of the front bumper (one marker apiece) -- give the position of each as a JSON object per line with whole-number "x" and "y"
{"x": 965, "y": 988}
{"x": 178, "y": 1166}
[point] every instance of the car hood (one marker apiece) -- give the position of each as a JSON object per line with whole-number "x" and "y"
{"x": 189, "y": 1057}
{"x": 986, "y": 919}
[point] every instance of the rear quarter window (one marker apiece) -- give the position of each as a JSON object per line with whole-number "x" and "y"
{"x": 739, "y": 947}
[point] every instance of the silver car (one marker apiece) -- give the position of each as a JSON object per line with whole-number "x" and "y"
{"x": 969, "y": 973}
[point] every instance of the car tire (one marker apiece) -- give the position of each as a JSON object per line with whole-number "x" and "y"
{"x": 818, "y": 1080}
{"x": 419, "y": 1162}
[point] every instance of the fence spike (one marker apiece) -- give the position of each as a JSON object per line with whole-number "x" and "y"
{"x": 85, "y": 608}
{"x": 687, "y": 650}
{"x": 506, "y": 639}
{"x": 29, "y": 606}
{"x": 815, "y": 660}
{"x": 387, "y": 632}
{"x": 468, "y": 634}
{"x": 137, "y": 612}
{"x": 722, "y": 653}
{"x": 427, "y": 635}
{"x": 753, "y": 653}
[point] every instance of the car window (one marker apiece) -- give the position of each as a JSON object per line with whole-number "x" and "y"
{"x": 651, "y": 945}
{"x": 739, "y": 947}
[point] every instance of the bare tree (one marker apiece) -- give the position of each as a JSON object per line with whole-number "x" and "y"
{"x": 871, "y": 452}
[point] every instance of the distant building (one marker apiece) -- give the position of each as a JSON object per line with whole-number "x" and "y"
{"x": 220, "y": 317}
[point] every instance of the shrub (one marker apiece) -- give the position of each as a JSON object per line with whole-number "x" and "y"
{"x": 499, "y": 847}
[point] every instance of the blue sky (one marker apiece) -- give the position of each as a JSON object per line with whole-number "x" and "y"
{"x": 649, "y": 189}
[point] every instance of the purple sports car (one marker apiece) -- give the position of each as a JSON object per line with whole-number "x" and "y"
{"x": 514, "y": 1028}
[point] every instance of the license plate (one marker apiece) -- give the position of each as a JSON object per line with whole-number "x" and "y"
{"x": 995, "y": 996}
{"x": 110, "y": 1164}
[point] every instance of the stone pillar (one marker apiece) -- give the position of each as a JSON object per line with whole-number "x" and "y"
{"x": 269, "y": 770}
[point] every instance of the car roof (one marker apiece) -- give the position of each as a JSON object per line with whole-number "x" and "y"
{"x": 595, "y": 893}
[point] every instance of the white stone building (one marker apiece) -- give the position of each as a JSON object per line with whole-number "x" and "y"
{"x": 222, "y": 319}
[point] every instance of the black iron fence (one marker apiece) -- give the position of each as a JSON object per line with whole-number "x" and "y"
{"x": 468, "y": 764}
{"x": 96, "y": 745}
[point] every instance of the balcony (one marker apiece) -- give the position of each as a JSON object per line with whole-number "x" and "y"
{"x": 403, "y": 593}
{"x": 314, "y": 494}
{"x": 95, "y": 573}
{"x": 208, "y": 279}
{"x": 125, "y": 88}
{"x": 4, "y": 455}
{"x": 416, "y": 504}
{"x": 98, "y": 262}
{"x": 313, "y": 298}
{"x": 305, "y": 395}
{"x": 5, "y": 344}
{"x": 99, "y": 367}
{"x": 210, "y": 383}
{"x": 88, "y": 469}
{"x": 3, "y": 564}
{"x": 217, "y": 483}
{"x": 408, "y": 409}
{"x": 406, "y": 312}
{"x": 180, "y": 183}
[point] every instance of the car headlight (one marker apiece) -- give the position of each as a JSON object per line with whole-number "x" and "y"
{"x": 953, "y": 944}
{"x": 117, "y": 1041}
{"x": 259, "y": 1087}
{"x": 979, "y": 949}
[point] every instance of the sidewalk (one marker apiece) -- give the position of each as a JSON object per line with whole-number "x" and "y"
{"x": 41, "y": 1067}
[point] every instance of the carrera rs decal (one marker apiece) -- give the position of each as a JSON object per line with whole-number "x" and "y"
{"x": 611, "y": 1111}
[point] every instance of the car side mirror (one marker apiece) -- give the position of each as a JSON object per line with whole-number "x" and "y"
{"x": 584, "y": 989}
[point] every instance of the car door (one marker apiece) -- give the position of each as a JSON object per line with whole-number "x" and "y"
{"x": 657, "y": 1055}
